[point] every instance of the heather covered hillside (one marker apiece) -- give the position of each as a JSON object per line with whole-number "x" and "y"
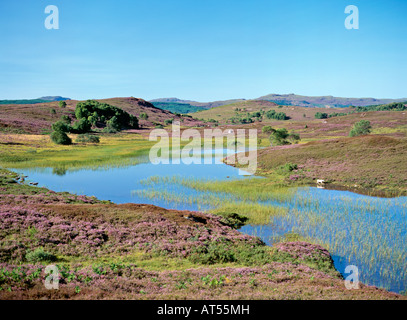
{"x": 38, "y": 118}
{"x": 236, "y": 112}
{"x": 369, "y": 162}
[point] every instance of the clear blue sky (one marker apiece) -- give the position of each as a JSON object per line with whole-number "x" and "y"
{"x": 202, "y": 50}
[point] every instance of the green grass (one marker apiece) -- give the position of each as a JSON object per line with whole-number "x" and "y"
{"x": 38, "y": 151}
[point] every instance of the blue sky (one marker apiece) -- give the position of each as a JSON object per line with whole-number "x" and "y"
{"x": 202, "y": 50}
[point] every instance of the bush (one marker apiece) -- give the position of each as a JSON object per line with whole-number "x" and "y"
{"x": 61, "y": 126}
{"x": 272, "y": 114}
{"x": 144, "y": 116}
{"x": 360, "y": 128}
{"x": 62, "y": 104}
{"x": 53, "y": 111}
{"x": 66, "y": 119}
{"x": 60, "y": 137}
{"x": 267, "y": 129}
{"x": 294, "y": 137}
{"x": 168, "y": 121}
{"x": 279, "y": 136}
{"x": 213, "y": 253}
{"x": 81, "y": 126}
{"x": 233, "y": 220}
{"x": 84, "y": 138}
{"x": 39, "y": 255}
{"x": 109, "y": 130}
{"x": 320, "y": 115}
{"x": 114, "y": 124}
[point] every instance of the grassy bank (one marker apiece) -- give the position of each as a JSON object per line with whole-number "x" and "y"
{"x": 372, "y": 162}
{"x": 25, "y": 151}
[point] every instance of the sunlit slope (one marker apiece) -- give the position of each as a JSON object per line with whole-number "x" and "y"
{"x": 226, "y": 112}
{"x": 372, "y": 161}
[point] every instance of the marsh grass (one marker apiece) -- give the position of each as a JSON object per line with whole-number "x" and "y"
{"x": 369, "y": 232}
{"x": 28, "y": 151}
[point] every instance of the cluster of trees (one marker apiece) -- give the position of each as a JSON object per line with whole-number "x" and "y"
{"x": 281, "y": 136}
{"x": 104, "y": 115}
{"x": 361, "y": 128}
{"x": 321, "y": 115}
{"x": 258, "y": 116}
{"x": 272, "y": 114}
{"x": 92, "y": 114}
{"x": 396, "y": 106}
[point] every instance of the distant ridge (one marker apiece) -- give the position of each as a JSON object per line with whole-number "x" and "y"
{"x": 54, "y": 98}
{"x": 291, "y": 100}
{"x": 206, "y": 105}
{"x": 35, "y": 101}
{"x": 325, "y": 101}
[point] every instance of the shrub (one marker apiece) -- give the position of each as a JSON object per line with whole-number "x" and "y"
{"x": 267, "y": 129}
{"x": 168, "y": 121}
{"x": 81, "y": 126}
{"x": 214, "y": 253}
{"x": 39, "y": 255}
{"x": 53, "y": 111}
{"x": 320, "y": 115}
{"x": 114, "y": 124}
{"x": 83, "y": 138}
{"x": 60, "y": 137}
{"x": 109, "y": 130}
{"x": 66, "y": 119}
{"x": 360, "y": 128}
{"x": 144, "y": 116}
{"x": 294, "y": 137}
{"x": 62, "y": 104}
{"x": 279, "y": 136}
{"x": 233, "y": 220}
{"x": 272, "y": 114}
{"x": 61, "y": 126}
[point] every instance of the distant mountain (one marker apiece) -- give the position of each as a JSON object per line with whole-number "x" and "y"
{"x": 34, "y": 101}
{"x": 176, "y": 107}
{"x": 205, "y": 105}
{"x": 54, "y": 98}
{"x": 325, "y": 101}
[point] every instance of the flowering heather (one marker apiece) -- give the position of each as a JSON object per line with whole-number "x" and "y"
{"x": 99, "y": 247}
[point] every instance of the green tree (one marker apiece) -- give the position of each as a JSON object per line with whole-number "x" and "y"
{"x": 267, "y": 129}
{"x": 294, "y": 138}
{"x": 61, "y": 126}
{"x": 60, "y": 137}
{"x": 113, "y": 124}
{"x": 66, "y": 119}
{"x": 279, "y": 137}
{"x": 360, "y": 128}
{"x": 320, "y": 115}
{"x": 81, "y": 126}
{"x": 62, "y": 104}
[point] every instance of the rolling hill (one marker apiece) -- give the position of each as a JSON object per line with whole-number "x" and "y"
{"x": 223, "y": 114}
{"x": 34, "y": 101}
{"x": 38, "y": 118}
{"x": 325, "y": 101}
{"x": 204, "y": 105}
